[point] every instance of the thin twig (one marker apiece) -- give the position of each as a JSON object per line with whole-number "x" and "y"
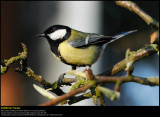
{"x": 30, "y": 73}
{"x": 145, "y": 81}
{"x": 136, "y": 9}
{"x": 79, "y": 98}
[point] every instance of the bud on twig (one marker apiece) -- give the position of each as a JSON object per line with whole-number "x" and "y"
{"x": 109, "y": 93}
{"x": 44, "y": 92}
{"x": 129, "y": 66}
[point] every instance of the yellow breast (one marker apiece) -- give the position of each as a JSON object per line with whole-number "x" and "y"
{"x": 79, "y": 56}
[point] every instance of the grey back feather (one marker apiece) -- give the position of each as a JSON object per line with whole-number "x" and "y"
{"x": 88, "y": 39}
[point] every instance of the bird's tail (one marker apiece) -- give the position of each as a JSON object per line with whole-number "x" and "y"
{"x": 123, "y": 34}
{"x": 116, "y": 37}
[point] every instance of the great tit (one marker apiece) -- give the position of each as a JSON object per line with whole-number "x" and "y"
{"x": 77, "y": 48}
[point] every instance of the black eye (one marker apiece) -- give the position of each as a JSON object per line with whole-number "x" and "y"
{"x": 50, "y": 31}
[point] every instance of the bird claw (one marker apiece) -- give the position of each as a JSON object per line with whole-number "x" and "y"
{"x": 60, "y": 79}
{"x": 89, "y": 73}
{"x": 88, "y": 67}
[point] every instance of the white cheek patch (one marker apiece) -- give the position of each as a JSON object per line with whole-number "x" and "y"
{"x": 87, "y": 39}
{"x": 59, "y": 34}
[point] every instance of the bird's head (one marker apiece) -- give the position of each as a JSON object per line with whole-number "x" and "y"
{"x": 56, "y": 32}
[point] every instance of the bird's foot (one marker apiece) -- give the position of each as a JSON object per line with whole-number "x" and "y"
{"x": 88, "y": 67}
{"x": 89, "y": 73}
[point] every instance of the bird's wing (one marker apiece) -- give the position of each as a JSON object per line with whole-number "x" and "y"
{"x": 80, "y": 39}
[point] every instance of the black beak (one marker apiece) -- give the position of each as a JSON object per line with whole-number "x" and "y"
{"x": 40, "y": 35}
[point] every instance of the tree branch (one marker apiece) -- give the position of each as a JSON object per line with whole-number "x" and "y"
{"x": 136, "y": 9}
{"x": 104, "y": 79}
{"x": 68, "y": 95}
{"x": 134, "y": 56}
{"x": 79, "y": 98}
{"x": 145, "y": 81}
{"x": 26, "y": 70}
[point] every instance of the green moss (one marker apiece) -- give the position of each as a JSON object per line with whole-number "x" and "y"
{"x": 3, "y": 69}
{"x": 98, "y": 93}
{"x": 55, "y": 85}
{"x": 153, "y": 80}
{"x": 87, "y": 95}
{"x": 94, "y": 97}
{"x": 155, "y": 47}
{"x": 129, "y": 77}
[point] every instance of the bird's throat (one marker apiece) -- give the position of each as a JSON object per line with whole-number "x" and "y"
{"x": 54, "y": 44}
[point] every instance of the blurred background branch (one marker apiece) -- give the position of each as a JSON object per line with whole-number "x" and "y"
{"x": 136, "y": 9}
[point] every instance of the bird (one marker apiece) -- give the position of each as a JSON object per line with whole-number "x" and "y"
{"x": 77, "y": 48}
